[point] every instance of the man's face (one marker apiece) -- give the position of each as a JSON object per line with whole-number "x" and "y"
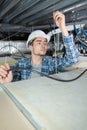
{"x": 39, "y": 46}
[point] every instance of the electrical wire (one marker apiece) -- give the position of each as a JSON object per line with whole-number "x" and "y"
{"x": 83, "y": 44}
{"x": 84, "y": 32}
{"x": 48, "y": 76}
{"x": 42, "y": 74}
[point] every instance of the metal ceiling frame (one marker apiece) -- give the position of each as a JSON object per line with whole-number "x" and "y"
{"x": 25, "y": 15}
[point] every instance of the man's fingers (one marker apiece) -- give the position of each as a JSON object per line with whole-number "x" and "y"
{"x": 3, "y": 70}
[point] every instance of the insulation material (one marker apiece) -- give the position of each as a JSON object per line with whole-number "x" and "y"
{"x": 54, "y": 105}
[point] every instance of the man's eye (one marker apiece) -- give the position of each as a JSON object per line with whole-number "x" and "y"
{"x": 45, "y": 43}
{"x": 39, "y": 42}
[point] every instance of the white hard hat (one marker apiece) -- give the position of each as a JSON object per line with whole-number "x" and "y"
{"x": 37, "y": 33}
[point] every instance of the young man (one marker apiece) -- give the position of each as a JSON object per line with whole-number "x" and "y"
{"x": 37, "y": 43}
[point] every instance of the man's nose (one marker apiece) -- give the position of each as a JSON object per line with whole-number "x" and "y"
{"x": 43, "y": 44}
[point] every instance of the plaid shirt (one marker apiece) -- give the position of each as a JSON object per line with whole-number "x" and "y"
{"x": 49, "y": 64}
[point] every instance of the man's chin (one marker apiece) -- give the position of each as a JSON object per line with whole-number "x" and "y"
{"x": 41, "y": 53}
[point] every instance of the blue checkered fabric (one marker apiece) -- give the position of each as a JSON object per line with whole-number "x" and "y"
{"x": 49, "y": 64}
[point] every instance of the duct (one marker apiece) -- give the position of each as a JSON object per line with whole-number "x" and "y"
{"x": 13, "y": 47}
{"x": 14, "y": 28}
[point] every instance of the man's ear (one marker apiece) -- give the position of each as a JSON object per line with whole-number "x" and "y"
{"x": 30, "y": 47}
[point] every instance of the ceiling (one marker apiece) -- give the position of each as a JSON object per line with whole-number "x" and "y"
{"x": 19, "y": 17}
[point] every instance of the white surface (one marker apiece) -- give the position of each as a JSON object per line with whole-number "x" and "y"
{"x": 82, "y": 63}
{"x": 54, "y": 105}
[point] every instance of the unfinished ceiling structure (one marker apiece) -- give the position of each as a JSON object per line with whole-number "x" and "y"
{"x": 19, "y": 17}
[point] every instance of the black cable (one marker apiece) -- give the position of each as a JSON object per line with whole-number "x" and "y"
{"x": 48, "y": 76}
{"x": 82, "y": 43}
{"x": 43, "y": 74}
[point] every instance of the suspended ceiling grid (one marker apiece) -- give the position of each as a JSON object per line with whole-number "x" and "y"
{"x": 27, "y": 15}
